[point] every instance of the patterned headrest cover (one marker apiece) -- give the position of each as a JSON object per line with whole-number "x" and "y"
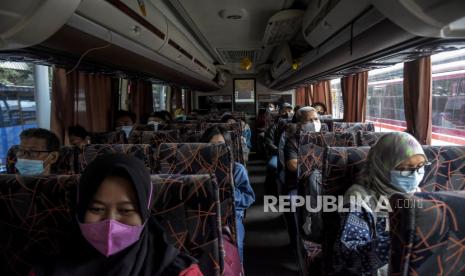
{"x": 141, "y": 151}
{"x": 427, "y": 234}
{"x": 353, "y": 127}
{"x": 188, "y": 208}
{"x": 153, "y": 138}
{"x": 447, "y": 169}
{"x": 214, "y": 159}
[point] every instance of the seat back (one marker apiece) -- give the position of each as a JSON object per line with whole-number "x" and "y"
{"x": 111, "y": 137}
{"x": 447, "y": 169}
{"x": 368, "y": 138}
{"x": 236, "y": 138}
{"x": 35, "y": 219}
{"x": 427, "y": 234}
{"x": 66, "y": 163}
{"x": 199, "y": 158}
{"x": 154, "y": 138}
{"x": 328, "y": 139}
{"x": 143, "y": 152}
{"x": 352, "y": 127}
{"x": 187, "y": 206}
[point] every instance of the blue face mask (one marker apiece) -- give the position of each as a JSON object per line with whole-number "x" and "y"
{"x": 30, "y": 167}
{"x": 308, "y": 127}
{"x": 127, "y": 130}
{"x": 407, "y": 184}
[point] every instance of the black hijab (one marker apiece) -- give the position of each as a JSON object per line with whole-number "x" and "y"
{"x": 150, "y": 255}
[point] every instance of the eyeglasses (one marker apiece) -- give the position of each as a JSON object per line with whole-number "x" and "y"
{"x": 314, "y": 119}
{"x": 410, "y": 171}
{"x": 30, "y": 153}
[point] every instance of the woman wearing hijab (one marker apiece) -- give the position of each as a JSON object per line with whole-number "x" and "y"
{"x": 395, "y": 165}
{"x": 117, "y": 234}
{"x": 244, "y": 195}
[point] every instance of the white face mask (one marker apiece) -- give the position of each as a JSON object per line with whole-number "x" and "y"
{"x": 155, "y": 124}
{"x": 317, "y": 126}
{"x": 407, "y": 184}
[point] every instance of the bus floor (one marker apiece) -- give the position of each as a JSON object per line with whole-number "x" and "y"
{"x": 267, "y": 250}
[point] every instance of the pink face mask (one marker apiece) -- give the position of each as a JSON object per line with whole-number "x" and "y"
{"x": 110, "y": 236}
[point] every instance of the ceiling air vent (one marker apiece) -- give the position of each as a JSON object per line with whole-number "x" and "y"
{"x": 235, "y": 56}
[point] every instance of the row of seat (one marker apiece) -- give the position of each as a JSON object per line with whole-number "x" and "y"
{"x": 37, "y": 214}
{"x": 327, "y": 168}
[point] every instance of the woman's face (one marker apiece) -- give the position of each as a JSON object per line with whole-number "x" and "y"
{"x": 412, "y": 163}
{"x": 114, "y": 199}
{"x": 217, "y": 139}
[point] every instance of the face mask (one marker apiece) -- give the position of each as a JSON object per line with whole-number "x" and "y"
{"x": 407, "y": 184}
{"x": 110, "y": 236}
{"x": 127, "y": 130}
{"x": 308, "y": 127}
{"x": 317, "y": 126}
{"x": 290, "y": 115}
{"x": 30, "y": 167}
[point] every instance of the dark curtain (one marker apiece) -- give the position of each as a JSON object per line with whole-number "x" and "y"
{"x": 418, "y": 99}
{"x": 80, "y": 98}
{"x": 304, "y": 95}
{"x": 321, "y": 93}
{"x": 141, "y": 99}
{"x": 354, "y": 96}
{"x": 188, "y": 100}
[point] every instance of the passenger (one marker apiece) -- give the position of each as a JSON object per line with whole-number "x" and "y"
{"x": 320, "y": 107}
{"x": 246, "y": 133}
{"x": 78, "y": 136}
{"x": 270, "y": 107}
{"x": 117, "y": 234}
{"x": 272, "y": 137}
{"x": 307, "y": 118}
{"x": 125, "y": 120}
{"x": 395, "y": 165}
{"x": 244, "y": 195}
{"x": 166, "y": 116}
{"x": 38, "y": 152}
{"x": 156, "y": 119}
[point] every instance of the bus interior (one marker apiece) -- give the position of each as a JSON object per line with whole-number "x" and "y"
{"x": 369, "y": 67}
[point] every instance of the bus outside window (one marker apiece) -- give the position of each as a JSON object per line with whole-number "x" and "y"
{"x": 17, "y": 104}
{"x": 336, "y": 96}
{"x": 448, "y": 71}
{"x": 385, "y": 98}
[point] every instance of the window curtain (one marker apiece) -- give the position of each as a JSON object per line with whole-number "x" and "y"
{"x": 80, "y": 98}
{"x": 354, "y": 96}
{"x": 418, "y": 99}
{"x": 141, "y": 99}
{"x": 319, "y": 92}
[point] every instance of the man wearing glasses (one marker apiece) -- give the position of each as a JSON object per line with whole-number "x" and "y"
{"x": 38, "y": 152}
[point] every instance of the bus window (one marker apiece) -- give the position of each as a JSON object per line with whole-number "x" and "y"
{"x": 385, "y": 99}
{"x": 17, "y": 104}
{"x": 336, "y": 96}
{"x": 448, "y": 73}
{"x": 159, "y": 97}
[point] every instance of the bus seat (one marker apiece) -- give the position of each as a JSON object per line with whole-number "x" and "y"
{"x": 111, "y": 137}
{"x": 202, "y": 158}
{"x": 66, "y": 163}
{"x": 35, "y": 219}
{"x": 368, "y": 138}
{"x": 143, "y": 152}
{"x": 447, "y": 169}
{"x": 344, "y": 165}
{"x": 236, "y": 137}
{"x": 154, "y": 138}
{"x": 328, "y": 139}
{"x": 187, "y": 206}
{"x": 427, "y": 234}
{"x": 352, "y": 127}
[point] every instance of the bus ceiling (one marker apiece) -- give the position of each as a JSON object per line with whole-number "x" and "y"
{"x": 201, "y": 43}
